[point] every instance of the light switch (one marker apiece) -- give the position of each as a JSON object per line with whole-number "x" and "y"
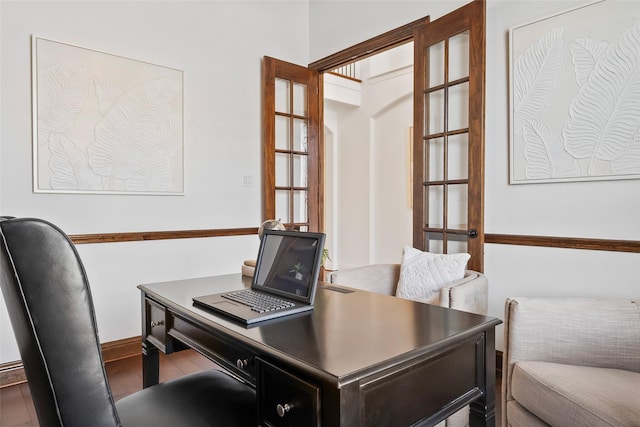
{"x": 247, "y": 180}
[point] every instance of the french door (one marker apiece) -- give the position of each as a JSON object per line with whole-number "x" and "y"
{"x": 291, "y": 146}
{"x": 448, "y": 190}
{"x": 448, "y": 144}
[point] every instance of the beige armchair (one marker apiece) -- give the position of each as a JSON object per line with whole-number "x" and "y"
{"x": 467, "y": 294}
{"x": 571, "y": 362}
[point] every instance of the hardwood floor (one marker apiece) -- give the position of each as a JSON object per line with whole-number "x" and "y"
{"x": 125, "y": 377}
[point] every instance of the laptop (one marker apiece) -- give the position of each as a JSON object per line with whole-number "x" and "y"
{"x": 285, "y": 278}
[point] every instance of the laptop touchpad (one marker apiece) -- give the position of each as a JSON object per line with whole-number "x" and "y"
{"x": 224, "y": 304}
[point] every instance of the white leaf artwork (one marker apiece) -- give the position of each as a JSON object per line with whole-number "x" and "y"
{"x": 585, "y": 52}
{"x": 545, "y": 154}
{"x": 94, "y": 135}
{"x": 62, "y": 92}
{"x": 605, "y": 114}
{"x": 69, "y": 166}
{"x": 107, "y": 93}
{"x": 130, "y": 133}
{"x": 536, "y": 75}
{"x": 577, "y": 118}
{"x": 629, "y": 162}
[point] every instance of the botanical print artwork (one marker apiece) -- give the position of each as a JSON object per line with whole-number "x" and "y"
{"x": 105, "y": 123}
{"x": 595, "y": 133}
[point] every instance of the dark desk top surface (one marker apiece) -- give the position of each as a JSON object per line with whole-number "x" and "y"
{"x": 345, "y": 336}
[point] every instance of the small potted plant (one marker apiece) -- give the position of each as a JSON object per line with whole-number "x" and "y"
{"x": 325, "y": 256}
{"x": 297, "y": 270}
{"x": 323, "y": 260}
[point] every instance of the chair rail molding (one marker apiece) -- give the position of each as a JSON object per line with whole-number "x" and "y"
{"x": 565, "y": 242}
{"x": 137, "y": 236}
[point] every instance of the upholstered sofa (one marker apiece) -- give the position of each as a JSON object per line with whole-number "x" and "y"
{"x": 571, "y": 362}
{"x": 467, "y": 294}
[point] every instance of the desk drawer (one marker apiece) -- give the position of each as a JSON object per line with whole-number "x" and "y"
{"x": 229, "y": 354}
{"x": 156, "y": 324}
{"x": 285, "y": 400}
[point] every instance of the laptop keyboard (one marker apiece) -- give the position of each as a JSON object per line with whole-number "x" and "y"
{"x": 258, "y": 301}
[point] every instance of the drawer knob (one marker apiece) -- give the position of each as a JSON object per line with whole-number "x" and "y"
{"x": 157, "y": 323}
{"x": 283, "y": 409}
{"x": 242, "y": 363}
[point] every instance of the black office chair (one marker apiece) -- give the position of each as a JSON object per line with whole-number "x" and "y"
{"x": 49, "y": 302}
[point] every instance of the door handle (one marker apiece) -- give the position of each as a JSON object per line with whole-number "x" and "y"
{"x": 472, "y": 233}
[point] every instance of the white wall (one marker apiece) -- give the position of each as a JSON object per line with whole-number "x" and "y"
{"x": 219, "y": 46}
{"x": 370, "y": 163}
{"x": 339, "y": 24}
{"x": 603, "y": 209}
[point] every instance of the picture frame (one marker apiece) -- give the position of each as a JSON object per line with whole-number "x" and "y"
{"x": 105, "y": 124}
{"x": 574, "y": 110}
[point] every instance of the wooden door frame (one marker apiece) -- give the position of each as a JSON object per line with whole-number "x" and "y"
{"x": 365, "y": 49}
{"x": 389, "y": 40}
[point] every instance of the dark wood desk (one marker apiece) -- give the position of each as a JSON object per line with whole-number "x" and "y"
{"x": 359, "y": 359}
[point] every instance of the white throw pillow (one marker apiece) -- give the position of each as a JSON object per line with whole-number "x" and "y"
{"x": 423, "y": 274}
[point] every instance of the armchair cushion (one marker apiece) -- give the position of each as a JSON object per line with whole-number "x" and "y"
{"x": 424, "y": 274}
{"x": 577, "y": 395}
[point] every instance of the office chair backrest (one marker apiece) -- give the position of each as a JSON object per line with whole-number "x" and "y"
{"x": 49, "y": 302}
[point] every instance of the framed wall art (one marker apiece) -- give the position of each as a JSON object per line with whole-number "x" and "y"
{"x": 575, "y": 95}
{"x": 105, "y": 124}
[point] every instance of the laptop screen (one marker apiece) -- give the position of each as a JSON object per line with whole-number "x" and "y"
{"x": 288, "y": 264}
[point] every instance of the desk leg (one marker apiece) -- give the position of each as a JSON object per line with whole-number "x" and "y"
{"x": 150, "y": 364}
{"x": 483, "y": 411}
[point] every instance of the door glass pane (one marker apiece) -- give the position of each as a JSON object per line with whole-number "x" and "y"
{"x": 458, "y": 107}
{"x": 300, "y": 206}
{"x": 435, "y": 72}
{"x": 299, "y": 170}
{"x": 282, "y": 205}
{"x": 282, "y": 170}
{"x": 299, "y": 99}
{"x": 456, "y": 244}
{"x": 459, "y": 56}
{"x": 434, "y": 243}
{"x": 435, "y": 165}
{"x": 282, "y": 96}
{"x": 457, "y": 206}
{"x": 458, "y": 158}
{"x": 282, "y": 133}
{"x": 300, "y": 135}
{"x": 435, "y": 112}
{"x": 435, "y": 206}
